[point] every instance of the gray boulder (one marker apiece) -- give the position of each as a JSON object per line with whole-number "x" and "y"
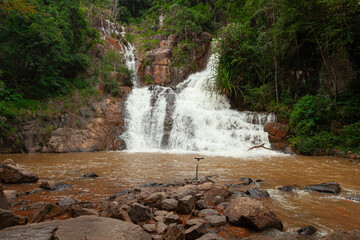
{"x": 46, "y": 211}
{"x": 195, "y": 221}
{"x": 186, "y": 190}
{"x": 54, "y": 186}
{"x": 14, "y": 174}
{"x": 250, "y": 213}
{"x": 175, "y": 232}
{"x": 186, "y": 205}
{"x": 154, "y": 199}
{"x": 84, "y": 227}
{"x": 139, "y": 213}
{"x": 195, "y": 231}
{"x": 329, "y": 187}
{"x": 114, "y": 210}
{"x": 216, "y": 220}
{"x": 169, "y": 204}
{"x": 8, "y": 219}
{"x": 172, "y": 218}
{"x": 208, "y": 212}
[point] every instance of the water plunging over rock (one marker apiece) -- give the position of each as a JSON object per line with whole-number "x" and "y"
{"x": 188, "y": 118}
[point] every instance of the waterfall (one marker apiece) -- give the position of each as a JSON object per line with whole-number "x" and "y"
{"x": 130, "y": 60}
{"x": 188, "y": 119}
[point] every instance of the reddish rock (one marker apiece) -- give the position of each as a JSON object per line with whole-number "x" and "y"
{"x": 15, "y": 174}
{"x": 8, "y": 219}
{"x": 251, "y": 213}
{"x": 158, "y": 67}
{"x": 46, "y": 211}
{"x": 278, "y": 136}
{"x": 114, "y": 210}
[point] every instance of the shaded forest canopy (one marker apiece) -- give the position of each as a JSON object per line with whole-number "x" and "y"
{"x": 298, "y": 58}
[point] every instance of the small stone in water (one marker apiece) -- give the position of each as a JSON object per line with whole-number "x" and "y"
{"x": 307, "y": 230}
{"x": 90, "y": 175}
{"x": 24, "y": 207}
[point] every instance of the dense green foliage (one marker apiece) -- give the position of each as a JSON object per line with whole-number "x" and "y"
{"x": 298, "y": 58}
{"x": 43, "y": 53}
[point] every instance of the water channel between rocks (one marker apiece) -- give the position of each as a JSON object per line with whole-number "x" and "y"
{"x": 121, "y": 170}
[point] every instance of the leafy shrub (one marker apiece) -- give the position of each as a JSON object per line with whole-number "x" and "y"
{"x": 42, "y": 53}
{"x": 351, "y": 137}
{"x": 128, "y": 75}
{"x": 305, "y": 144}
{"x": 181, "y": 55}
{"x": 310, "y": 115}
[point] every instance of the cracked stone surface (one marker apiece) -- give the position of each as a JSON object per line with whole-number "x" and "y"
{"x": 84, "y": 227}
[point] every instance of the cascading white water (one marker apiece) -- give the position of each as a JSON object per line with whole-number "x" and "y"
{"x": 130, "y": 60}
{"x": 189, "y": 119}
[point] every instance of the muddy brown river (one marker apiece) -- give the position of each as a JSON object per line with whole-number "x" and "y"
{"x": 121, "y": 170}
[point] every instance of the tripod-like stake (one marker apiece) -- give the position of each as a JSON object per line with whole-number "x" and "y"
{"x": 197, "y": 167}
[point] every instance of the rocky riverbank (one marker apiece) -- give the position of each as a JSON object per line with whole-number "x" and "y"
{"x": 188, "y": 209}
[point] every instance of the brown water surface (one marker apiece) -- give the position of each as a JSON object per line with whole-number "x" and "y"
{"x": 120, "y": 170}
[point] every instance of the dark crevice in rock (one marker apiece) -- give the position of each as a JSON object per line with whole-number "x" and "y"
{"x": 53, "y": 234}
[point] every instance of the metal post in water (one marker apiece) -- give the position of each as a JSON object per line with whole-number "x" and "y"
{"x": 197, "y": 167}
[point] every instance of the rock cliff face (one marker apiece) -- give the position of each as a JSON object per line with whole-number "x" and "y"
{"x": 94, "y": 127}
{"x": 158, "y": 66}
{"x": 99, "y": 128}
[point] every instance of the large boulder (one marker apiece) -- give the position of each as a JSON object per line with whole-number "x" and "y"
{"x": 186, "y": 205}
{"x": 114, "y": 210}
{"x": 195, "y": 231}
{"x": 3, "y": 199}
{"x": 172, "y": 218}
{"x": 46, "y": 211}
{"x": 216, "y": 220}
{"x": 84, "y": 227}
{"x": 54, "y": 185}
{"x": 257, "y": 192}
{"x": 329, "y": 187}
{"x": 154, "y": 199}
{"x": 175, "y": 232}
{"x": 139, "y": 213}
{"x": 186, "y": 190}
{"x": 250, "y": 213}
{"x": 14, "y": 174}
{"x": 169, "y": 204}
{"x": 216, "y": 192}
{"x": 8, "y": 219}
{"x": 208, "y": 212}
